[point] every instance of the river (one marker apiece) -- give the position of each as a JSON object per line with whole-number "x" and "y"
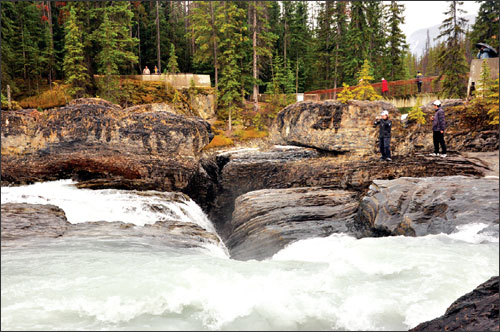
{"x": 332, "y": 283}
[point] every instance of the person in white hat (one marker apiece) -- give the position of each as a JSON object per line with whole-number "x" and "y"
{"x": 438, "y": 127}
{"x": 384, "y": 135}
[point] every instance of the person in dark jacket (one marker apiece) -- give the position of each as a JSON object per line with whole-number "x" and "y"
{"x": 438, "y": 127}
{"x": 419, "y": 81}
{"x": 384, "y": 136}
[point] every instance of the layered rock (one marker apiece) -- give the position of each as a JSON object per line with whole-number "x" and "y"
{"x": 240, "y": 172}
{"x": 23, "y": 222}
{"x": 348, "y": 128}
{"x": 264, "y": 221}
{"x": 458, "y": 136}
{"x": 333, "y": 126}
{"x": 431, "y": 205}
{"x": 96, "y": 141}
{"x": 475, "y": 311}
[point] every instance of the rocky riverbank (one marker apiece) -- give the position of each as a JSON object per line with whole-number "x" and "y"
{"x": 475, "y": 311}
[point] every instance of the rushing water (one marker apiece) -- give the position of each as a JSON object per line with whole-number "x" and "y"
{"x": 337, "y": 282}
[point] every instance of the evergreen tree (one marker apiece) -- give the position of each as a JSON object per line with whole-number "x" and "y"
{"x": 340, "y": 21}
{"x": 377, "y": 38}
{"x": 485, "y": 29}
{"x": 364, "y": 90}
{"x": 7, "y": 50}
{"x": 346, "y": 94}
{"x": 356, "y": 46}
{"x": 452, "y": 58}
{"x": 396, "y": 48}
{"x": 232, "y": 37}
{"x": 262, "y": 41}
{"x": 416, "y": 113}
{"x": 173, "y": 67}
{"x": 74, "y": 60}
{"x": 206, "y": 19}
{"x": 116, "y": 45}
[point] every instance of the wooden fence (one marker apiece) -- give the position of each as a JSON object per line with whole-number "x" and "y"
{"x": 397, "y": 89}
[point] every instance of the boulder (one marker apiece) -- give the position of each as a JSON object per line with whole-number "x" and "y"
{"x": 99, "y": 142}
{"x": 265, "y": 221}
{"x": 430, "y": 205}
{"x": 236, "y": 173}
{"x": 475, "y": 311}
{"x": 333, "y": 126}
{"x": 22, "y": 220}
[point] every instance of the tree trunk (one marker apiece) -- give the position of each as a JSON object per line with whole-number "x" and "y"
{"x": 139, "y": 43}
{"x": 214, "y": 36}
{"x": 284, "y": 45}
{"x": 255, "y": 76}
{"x": 9, "y": 101}
{"x": 297, "y": 75}
{"x": 230, "y": 119}
{"x": 51, "y": 43}
{"x": 158, "y": 55}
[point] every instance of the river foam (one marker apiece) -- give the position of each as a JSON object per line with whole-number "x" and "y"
{"x": 332, "y": 283}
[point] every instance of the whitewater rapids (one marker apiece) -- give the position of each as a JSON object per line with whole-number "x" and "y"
{"x": 333, "y": 283}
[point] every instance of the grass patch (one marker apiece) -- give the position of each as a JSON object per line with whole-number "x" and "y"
{"x": 54, "y": 97}
{"x": 219, "y": 141}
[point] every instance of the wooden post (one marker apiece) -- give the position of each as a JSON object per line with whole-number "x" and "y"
{"x": 8, "y": 97}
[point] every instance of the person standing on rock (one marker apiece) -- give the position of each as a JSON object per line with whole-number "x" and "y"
{"x": 384, "y": 136}
{"x": 438, "y": 127}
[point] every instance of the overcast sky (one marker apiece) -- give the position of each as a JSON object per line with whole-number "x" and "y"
{"x": 423, "y": 14}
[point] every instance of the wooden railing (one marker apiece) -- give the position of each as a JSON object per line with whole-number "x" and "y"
{"x": 397, "y": 89}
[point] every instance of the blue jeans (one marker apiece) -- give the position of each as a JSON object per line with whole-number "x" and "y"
{"x": 385, "y": 147}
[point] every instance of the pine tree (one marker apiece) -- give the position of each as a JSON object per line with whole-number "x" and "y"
{"x": 7, "y": 50}
{"x": 364, "y": 90}
{"x": 416, "y": 113}
{"x": 492, "y": 102}
{"x": 74, "y": 60}
{"x": 116, "y": 45}
{"x": 232, "y": 37}
{"x": 485, "y": 81}
{"x": 346, "y": 94}
{"x": 206, "y": 19}
{"x": 397, "y": 47}
{"x": 452, "y": 58}
{"x": 377, "y": 38}
{"x": 173, "y": 67}
{"x": 356, "y": 46}
{"x": 485, "y": 29}
{"x": 262, "y": 41}
{"x": 340, "y": 21}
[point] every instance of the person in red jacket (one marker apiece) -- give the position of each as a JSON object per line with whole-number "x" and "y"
{"x": 385, "y": 87}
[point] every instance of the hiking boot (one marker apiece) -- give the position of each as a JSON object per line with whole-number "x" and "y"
{"x": 388, "y": 159}
{"x": 443, "y": 155}
{"x": 433, "y": 155}
{"x": 381, "y": 159}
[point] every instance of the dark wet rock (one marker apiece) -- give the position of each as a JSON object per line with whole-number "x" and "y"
{"x": 475, "y": 311}
{"x": 169, "y": 233}
{"x": 265, "y": 221}
{"x": 333, "y": 126}
{"x": 103, "y": 146}
{"x": 21, "y": 220}
{"x": 431, "y": 205}
{"x": 247, "y": 171}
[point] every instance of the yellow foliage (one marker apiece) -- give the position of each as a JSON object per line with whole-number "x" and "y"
{"x": 51, "y": 98}
{"x": 416, "y": 114}
{"x": 218, "y": 141}
{"x": 346, "y": 94}
{"x": 364, "y": 91}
